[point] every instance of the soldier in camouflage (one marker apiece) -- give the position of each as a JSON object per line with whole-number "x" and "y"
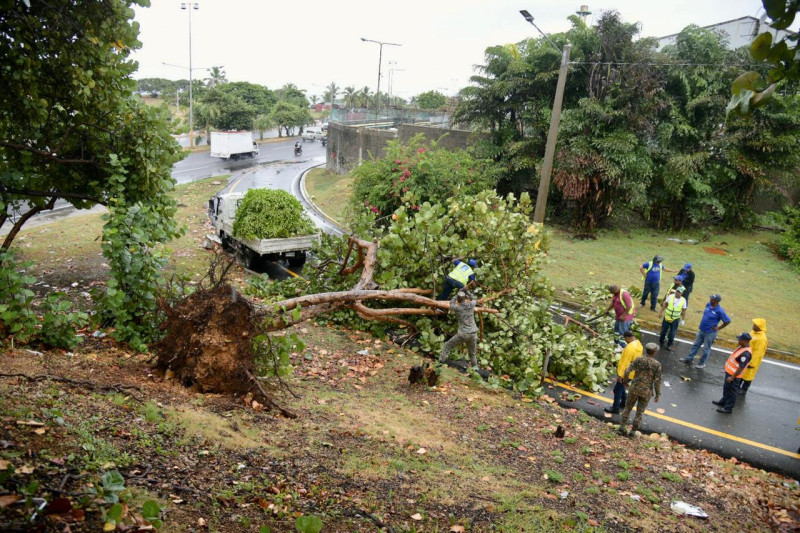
{"x": 463, "y": 304}
{"x": 646, "y": 380}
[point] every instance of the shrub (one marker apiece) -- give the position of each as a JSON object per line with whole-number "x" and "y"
{"x": 59, "y": 322}
{"x": 16, "y": 317}
{"x": 415, "y": 174}
{"x": 789, "y": 246}
{"x": 270, "y": 214}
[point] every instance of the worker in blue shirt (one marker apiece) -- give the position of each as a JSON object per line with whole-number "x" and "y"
{"x": 460, "y": 277}
{"x": 651, "y": 274}
{"x": 709, "y": 327}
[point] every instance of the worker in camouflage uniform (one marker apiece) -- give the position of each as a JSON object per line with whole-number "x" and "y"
{"x": 646, "y": 380}
{"x": 463, "y": 304}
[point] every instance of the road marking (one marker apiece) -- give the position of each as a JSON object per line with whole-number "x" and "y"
{"x": 288, "y": 271}
{"x": 683, "y": 422}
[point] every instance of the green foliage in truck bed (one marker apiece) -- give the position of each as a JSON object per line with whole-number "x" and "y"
{"x": 270, "y": 214}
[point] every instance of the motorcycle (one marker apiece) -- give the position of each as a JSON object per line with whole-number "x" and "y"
{"x": 298, "y": 150}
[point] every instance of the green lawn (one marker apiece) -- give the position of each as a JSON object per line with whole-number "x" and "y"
{"x": 752, "y": 282}
{"x": 74, "y": 243}
{"x": 329, "y": 191}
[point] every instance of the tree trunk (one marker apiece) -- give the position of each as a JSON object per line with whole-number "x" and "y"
{"x": 23, "y": 219}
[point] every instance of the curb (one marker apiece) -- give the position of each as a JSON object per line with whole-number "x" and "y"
{"x": 307, "y": 198}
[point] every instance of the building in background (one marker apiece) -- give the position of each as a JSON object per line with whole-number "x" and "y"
{"x": 740, "y": 32}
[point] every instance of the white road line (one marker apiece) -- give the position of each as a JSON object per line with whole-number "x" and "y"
{"x": 684, "y": 341}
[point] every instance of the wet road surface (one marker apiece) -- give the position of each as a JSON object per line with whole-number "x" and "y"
{"x": 761, "y": 430}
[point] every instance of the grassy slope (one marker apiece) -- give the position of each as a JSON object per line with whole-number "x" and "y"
{"x": 329, "y": 191}
{"x": 75, "y": 241}
{"x": 459, "y": 454}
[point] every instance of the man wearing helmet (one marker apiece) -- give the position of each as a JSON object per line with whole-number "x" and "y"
{"x": 461, "y": 277}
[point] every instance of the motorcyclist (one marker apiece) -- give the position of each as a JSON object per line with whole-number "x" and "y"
{"x": 297, "y": 148}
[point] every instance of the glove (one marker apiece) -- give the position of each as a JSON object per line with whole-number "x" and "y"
{"x": 683, "y": 322}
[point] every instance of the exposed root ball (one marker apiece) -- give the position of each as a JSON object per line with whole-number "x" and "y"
{"x": 209, "y": 341}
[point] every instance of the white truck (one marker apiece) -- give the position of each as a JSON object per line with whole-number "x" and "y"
{"x": 233, "y": 144}
{"x": 253, "y": 252}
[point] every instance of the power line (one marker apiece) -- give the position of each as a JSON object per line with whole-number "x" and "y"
{"x": 740, "y": 65}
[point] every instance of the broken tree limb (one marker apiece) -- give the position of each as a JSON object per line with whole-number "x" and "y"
{"x": 267, "y": 398}
{"x": 117, "y": 387}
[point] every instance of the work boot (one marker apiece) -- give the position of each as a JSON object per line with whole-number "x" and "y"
{"x": 622, "y": 431}
{"x": 634, "y": 429}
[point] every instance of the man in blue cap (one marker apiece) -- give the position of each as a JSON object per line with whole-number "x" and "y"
{"x": 709, "y": 327}
{"x": 688, "y": 280}
{"x": 461, "y": 277}
{"x": 651, "y": 274}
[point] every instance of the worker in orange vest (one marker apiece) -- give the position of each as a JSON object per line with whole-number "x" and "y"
{"x": 734, "y": 367}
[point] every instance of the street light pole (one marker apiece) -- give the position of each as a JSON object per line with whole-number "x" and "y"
{"x": 190, "y": 6}
{"x": 552, "y": 134}
{"x": 380, "y": 59}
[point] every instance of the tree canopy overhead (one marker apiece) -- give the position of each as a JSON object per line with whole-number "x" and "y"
{"x": 72, "y": 128}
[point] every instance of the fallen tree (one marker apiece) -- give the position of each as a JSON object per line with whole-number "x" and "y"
{"x": 222, "y": 340}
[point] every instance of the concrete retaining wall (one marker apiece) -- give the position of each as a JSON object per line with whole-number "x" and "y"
{"x": 348, "y": 146}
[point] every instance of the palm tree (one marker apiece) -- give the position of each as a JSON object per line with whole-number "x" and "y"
{"x": 216, "y": 76}
{"x": 364, "y": 96}
{"x": 349, "y": 96}
{"x": 207, "y": 113}
{"x": 314, "y": 98}
{"x": 333, "y": 90}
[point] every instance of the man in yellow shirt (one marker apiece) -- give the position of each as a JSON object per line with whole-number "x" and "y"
{"x": 758, "y": 346}
{"x": 632, "y": 350}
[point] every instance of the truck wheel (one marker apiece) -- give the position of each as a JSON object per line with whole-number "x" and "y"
{"x": 297, "y": 260}
{"x": 226, "y": 243}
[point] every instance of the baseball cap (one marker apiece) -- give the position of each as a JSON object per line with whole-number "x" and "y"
{"x": 651, "y": 347}
{"x": 472, "y": 263}
{"x": 744, "y": 336}
{"x": 716, "y": 297}
{"x": 687, "y": 266}
{"x": 658, "y": 259}
{"x": 628, "y": 333}
{"x": 681, "y": 289}
{"x": 679, "y": 278}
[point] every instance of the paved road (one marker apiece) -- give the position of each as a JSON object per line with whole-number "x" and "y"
{"x": 761, "y": 429}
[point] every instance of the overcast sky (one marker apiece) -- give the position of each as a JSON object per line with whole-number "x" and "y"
{"x": 311, "y": 43}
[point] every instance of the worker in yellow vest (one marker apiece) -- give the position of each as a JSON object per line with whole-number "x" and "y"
{"x": 461, "y": 277}
{"x": 673, "y": 312}
{"x": 758, "y": 346}
{"x": 734, "y": 367}
{"x": 651, "y": 275}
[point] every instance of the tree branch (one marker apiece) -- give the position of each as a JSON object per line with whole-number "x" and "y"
{"x": 23, "y": 219}
{"x": 48, "y": 155}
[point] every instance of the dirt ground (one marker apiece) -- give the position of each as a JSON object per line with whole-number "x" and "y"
{"x": 367, "y": 451}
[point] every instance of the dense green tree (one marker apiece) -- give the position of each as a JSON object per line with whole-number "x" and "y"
{"x": 232, "y": 112}
{"x": 156, "y": 87}
{"x": 72, "y": 128}
{"x": 287, "y": 116}
{"x": 431, "y": 100}
{"x": 257, "y": 96}
{"x": 291, "y": 94}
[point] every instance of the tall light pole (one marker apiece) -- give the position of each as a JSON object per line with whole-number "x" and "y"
{"x": 190, "y": 6}
{"x": 391, "y": 79}
{"x": 555, "y": 118}
{"x": 380, "y": 58}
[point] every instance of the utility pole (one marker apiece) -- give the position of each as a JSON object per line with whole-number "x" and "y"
{"x": 189, "y": 6}
{"x": 380, "y": 59}
{"x": 552, "y": 135}
{"x": 555, "y": 118}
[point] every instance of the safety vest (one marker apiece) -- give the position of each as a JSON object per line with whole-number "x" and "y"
{"x": 632, "y": 308}
{"x": 652, "y": 264}
{"x": 732, "y": 365}
{"x": 461, "y": 273}
{"x": 674, "y": 308}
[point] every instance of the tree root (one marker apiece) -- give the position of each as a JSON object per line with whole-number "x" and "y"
{"x": 268, "y": 399}
{"x": 117, "y": 387}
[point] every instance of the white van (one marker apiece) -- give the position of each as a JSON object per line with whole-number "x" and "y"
{"x": 312, "y": 133}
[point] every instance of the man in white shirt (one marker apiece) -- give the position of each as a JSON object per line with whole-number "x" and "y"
{"x": 673, "y": 311}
